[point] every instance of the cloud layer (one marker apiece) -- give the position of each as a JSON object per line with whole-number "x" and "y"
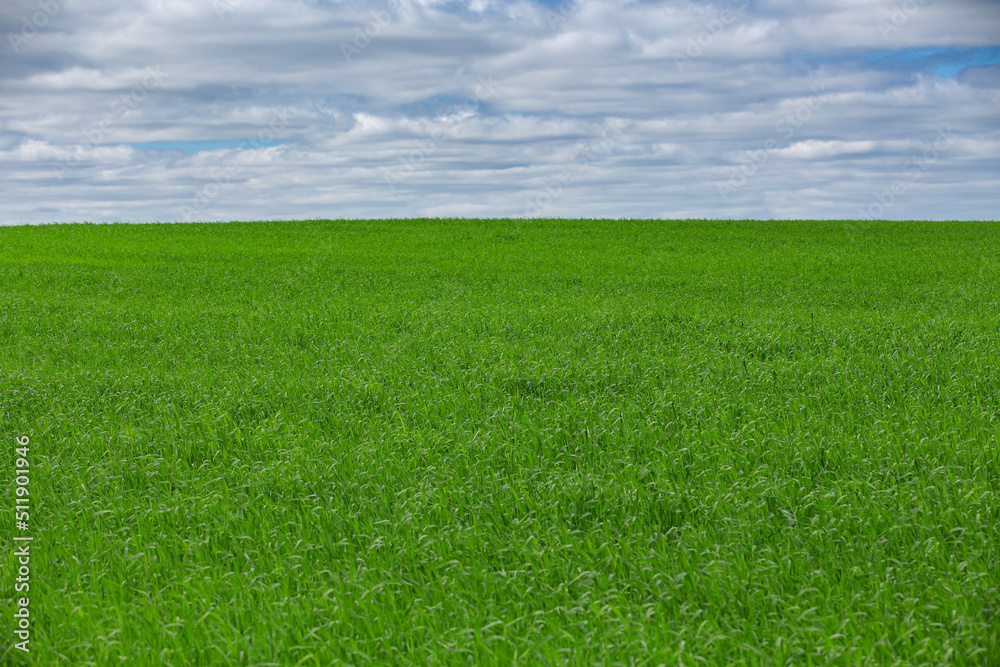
{"x": 157, "y": 110}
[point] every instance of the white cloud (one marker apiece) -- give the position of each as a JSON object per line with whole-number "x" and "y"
{"x": 813, "y": 149}
{"x": 777, "y": 96}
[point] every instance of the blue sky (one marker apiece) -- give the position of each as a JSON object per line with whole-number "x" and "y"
{"x": 946, "y": 62}
{"x": 154, "y": 110}
{"x": 191, "y": 147}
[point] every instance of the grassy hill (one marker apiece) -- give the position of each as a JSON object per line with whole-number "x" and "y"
{"x": 503, "y": 442}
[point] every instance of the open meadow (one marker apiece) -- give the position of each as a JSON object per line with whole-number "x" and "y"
{"x": 497, "y": 442}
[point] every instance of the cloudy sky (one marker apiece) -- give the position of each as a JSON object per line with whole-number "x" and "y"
{"x": 161, "y": 110}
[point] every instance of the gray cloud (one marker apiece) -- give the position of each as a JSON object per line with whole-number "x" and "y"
{"x": 351, "y": 109}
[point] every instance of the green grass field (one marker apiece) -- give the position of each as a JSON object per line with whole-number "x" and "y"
{"x": 496, "y": 442}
